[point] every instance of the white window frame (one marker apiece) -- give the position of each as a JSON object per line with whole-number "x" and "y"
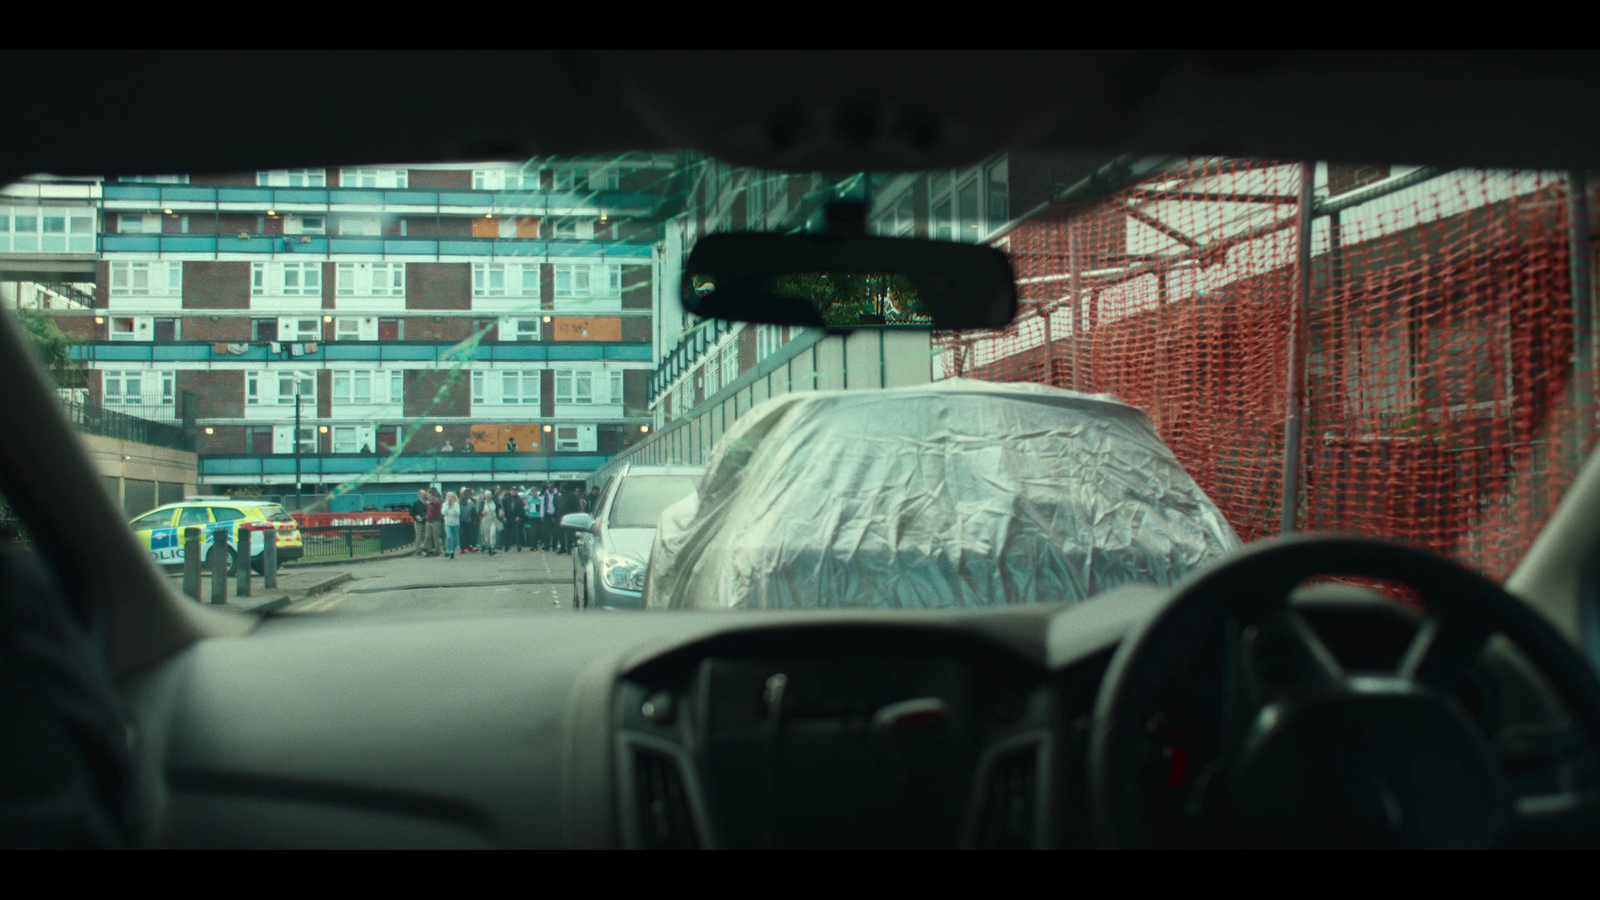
{"x": 571, "y": 273}
{"x": 768, "y": 339}
{"x": 506, "y": 387}
{"x": 575, "y": 439}
{"x": 355, "y": 328}
{"x": 163, "y": 393}
{"x": 505, "y": 180}
{"x": 511, "y": 328}
{"x": 565, "y": 178}
{"x": 159, "y": 279}
{"x": 374, "y": 177}
{"x": 295, "y": 223}
{"x": 604, "y": 178}
{"x": 138, "y": 223}
{"x": 370, "y": 279}
{"x": 567, "y": 384}
{"x": 730, "y": 363}
{"x": 283, "y": 439}
{"x": 293, "y": 178}
{"x": 361, "y": 226}
{"x": 272, "y": 279}
{"x": 47, "y": 229}
{"x": 299, "y": 329}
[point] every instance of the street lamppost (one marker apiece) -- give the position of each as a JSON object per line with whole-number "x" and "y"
{"x": 297, "y": 441}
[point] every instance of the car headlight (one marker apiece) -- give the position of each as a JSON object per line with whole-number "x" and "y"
{"x": 623, "y": 573}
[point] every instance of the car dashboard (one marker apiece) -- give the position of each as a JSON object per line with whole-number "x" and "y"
{"x": 866, "y": 729}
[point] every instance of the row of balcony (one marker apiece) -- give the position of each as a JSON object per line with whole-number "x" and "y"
{"x": 360, "y": 351}
{"x": 178, "y": 195}
{"x": 343, "y": 466}
{"x": 388, "y": 245}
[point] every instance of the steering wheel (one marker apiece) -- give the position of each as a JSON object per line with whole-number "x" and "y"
{"x": 1312, "y": 755}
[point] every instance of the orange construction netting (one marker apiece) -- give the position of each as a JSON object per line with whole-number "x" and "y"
{"x": 1446, "y": 404}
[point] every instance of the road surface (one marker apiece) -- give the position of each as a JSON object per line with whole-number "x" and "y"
{"x": 530, "y": 581}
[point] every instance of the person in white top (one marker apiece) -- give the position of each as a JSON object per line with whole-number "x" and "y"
{"x": 451, "y": 510}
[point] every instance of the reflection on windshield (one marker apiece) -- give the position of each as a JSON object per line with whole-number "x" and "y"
{"x": 642, "y": 498}
{"x": 528, "y": 327}
{"x": 855, "y": 298}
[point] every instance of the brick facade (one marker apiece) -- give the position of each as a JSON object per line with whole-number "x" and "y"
{"x": 216, "y": 285}
{"x": 438, "y": 286}
{"x": 218, "y": 394}
{"x": 438, "y": 392}
{"x": 216, "y": 329}
{"x": 440, "y": 179}
{"x": 636, "y": 293}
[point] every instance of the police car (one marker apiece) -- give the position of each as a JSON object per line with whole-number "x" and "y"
{"x": 161, "y": 529}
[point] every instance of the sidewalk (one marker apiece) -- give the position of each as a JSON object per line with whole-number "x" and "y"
{"x": 292, "y": 586}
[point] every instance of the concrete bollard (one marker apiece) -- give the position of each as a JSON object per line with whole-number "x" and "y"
{"x": 191, "y": 563}
{"x": 242, "y": 587}
{"x": 219, "y": 566}
{"x": 269, "y": 559}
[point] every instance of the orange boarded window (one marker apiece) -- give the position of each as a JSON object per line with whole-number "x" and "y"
{"x": 587, "y": 329}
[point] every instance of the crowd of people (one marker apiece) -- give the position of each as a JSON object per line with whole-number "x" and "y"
{"x": 499, "y": 518}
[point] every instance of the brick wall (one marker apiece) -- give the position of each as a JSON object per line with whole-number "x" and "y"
{"x": 441, "y": 179}
{"x": 444, "y": 328}
{"x": 227, "y": 439}
{"x": 636, "y": 287}
{"x": 218, "y": 394}
{"x": 233, "y": 223}
{"x": 216, "y": 329}
{"x": 747, "y": 348}
{"x": 216, "y": 285}
{"x": 80, "y": 328}
{"x": 547, "y": 286}
{"x": 547, "y": 393}
{"x": 635, "y": 391}
{"x": 237, "y": 179}
{"x": 102, "y": 283}
{"x": 324, "y": 394}
{"x": 636, "y": 328}
{"x": 424, "y": 386}
{"x": 330, "y": 284}
{"x": 438, "y": 286}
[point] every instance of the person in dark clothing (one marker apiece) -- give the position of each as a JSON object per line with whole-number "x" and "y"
{"x": 567, "y": 503}
{"x": 419, "y": 511}
{"x": 435, "y": 520}
{"x": 511, "y": 506}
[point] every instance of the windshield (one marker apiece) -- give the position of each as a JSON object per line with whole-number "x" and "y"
{"x": 642, "y": 498}
{"x": 1419, "y": 365}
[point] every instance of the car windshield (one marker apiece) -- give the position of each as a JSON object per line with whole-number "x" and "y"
{"x": 642, "y": 498}
{"x": 1208, "y": 351}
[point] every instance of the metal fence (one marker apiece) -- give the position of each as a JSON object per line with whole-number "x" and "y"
{"x": 352, "y": 541}
{"x": 127, "y": 425}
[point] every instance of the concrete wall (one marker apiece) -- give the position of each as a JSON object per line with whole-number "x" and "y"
{"x": 140, "y": 477}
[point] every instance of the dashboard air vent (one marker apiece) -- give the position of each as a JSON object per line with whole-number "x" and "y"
{"x": 1006, "y": 820}
{"x": 665, "y": 822}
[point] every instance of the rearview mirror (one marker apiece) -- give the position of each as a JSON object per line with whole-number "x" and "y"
{"x": 845, "y": 282}
{"x": 578, "y": 521}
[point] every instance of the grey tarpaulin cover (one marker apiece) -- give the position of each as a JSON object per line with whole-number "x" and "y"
{"x": 959, "y": 493}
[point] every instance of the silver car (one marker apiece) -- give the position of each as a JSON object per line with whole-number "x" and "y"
{"x": 612, "y": 552}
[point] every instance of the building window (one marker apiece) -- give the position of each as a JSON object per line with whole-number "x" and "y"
{"x": 263, "y": 329}
{"x": 505, "y": 279}
{"x": 565, "y": 178}
{"x": 370, "y": 280}
{"x": 604, "y": 178}
{"x": 278, "y": 388}
{"x": 352, "y": 329}
{"x": 138, "y": 223}
{"x": 997, "y": 198}
{"x": 616, "y": 387}
{"x": 520, "y": 387}
{"x": 295, "y": 329}
{"x": 768, "y": 339}
{"x": 569, "y": 228}
{"x": 360, "y": 226}
{"x": 125, "y": 328}
{"x": 374, "y": 178}
{"x": 293, "y": 224}
{"x": 47, "y": 229}
{"x": 585, "y": 280}
{"x": 146, "y": 279}
{"x": 575, "y": 438}
{"x": 297, "y": 279}
{"x": 504, "y": 180}
{"x": 293, "y": 178}
{"x": 520, "y": 329}
{"x": 574, "y": 386}
{"x": 353, "y": 387}
{"x": 138, "y": 389}
{"x": 730, "y": 363}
